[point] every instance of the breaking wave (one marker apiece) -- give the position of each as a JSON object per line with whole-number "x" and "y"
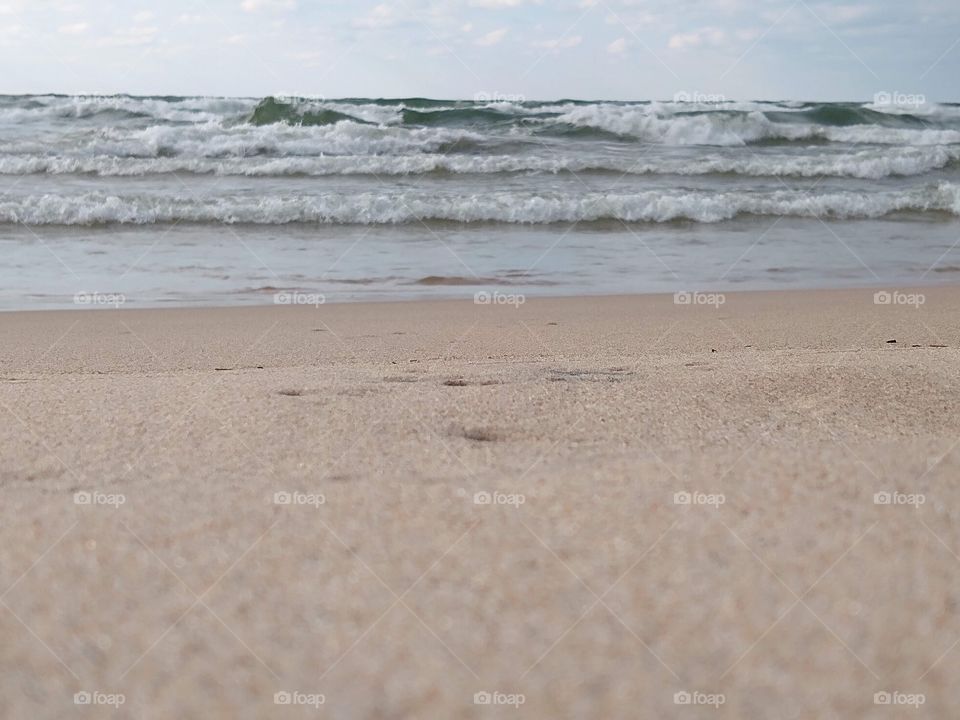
{"x": 866, "y": 164}
{"x": 498, "y": 207}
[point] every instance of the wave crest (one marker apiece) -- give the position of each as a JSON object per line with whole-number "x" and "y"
{"x": 870, "y": 164}
{"x": 517, "y": 208}
{"x": 270, "y": 111}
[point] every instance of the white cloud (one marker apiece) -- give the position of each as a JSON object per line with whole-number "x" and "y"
{"x": 729, "y": 6}
{"x": 381, "y": 16}
{"x": 492, "y": 38}
{"x": 130, "y": 36}
{"x": 309, "y": 59}
{"x": 703, "y": 36}
{"x": 841, "y": 13}
{"x": 558, "y": 43}
{"x": 75, "y": 29}
{"x": 256, "y": 5}
{"x": 634, "y": 20}
{"x": 495, "y": 4}
{"x": 892, "y": 37}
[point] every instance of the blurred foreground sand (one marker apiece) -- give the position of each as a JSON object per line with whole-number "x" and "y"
{"x": 582, "y": 586}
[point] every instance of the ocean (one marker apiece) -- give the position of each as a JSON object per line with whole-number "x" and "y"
{"x": 198, "y": 200}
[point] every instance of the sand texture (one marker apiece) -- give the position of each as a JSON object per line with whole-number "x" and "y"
{"x": 582, "y": 586}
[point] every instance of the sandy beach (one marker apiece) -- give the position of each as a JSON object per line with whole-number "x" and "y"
{"x": 578, "y": 507}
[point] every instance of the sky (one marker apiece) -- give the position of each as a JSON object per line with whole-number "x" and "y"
{"x": 516, "y": 49}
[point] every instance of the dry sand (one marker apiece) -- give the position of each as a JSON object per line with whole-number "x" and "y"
{"x": 597, "y": 597}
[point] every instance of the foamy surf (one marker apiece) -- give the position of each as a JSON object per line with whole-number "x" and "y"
{"x": 197, "y": 199}
{"x": 868, "y": 164}
{"x": 392, "y": 207}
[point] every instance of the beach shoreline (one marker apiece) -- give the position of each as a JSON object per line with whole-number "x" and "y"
{"x": 441, "y": 290}
{"x": 593, "y": 506}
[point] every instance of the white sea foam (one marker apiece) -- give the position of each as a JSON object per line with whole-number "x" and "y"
{"x": 407, "y": 207}
{"x": 213, "y": 140}
{"x": 735, "y": 147}
{"x": 219, "y": 126}
{"x": 714, "y": 128}
{"x": 89, "y": 106}
{"x": 866, "y": 163}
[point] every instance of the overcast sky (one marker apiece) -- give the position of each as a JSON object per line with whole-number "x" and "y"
{"x": 539, "y": 49}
